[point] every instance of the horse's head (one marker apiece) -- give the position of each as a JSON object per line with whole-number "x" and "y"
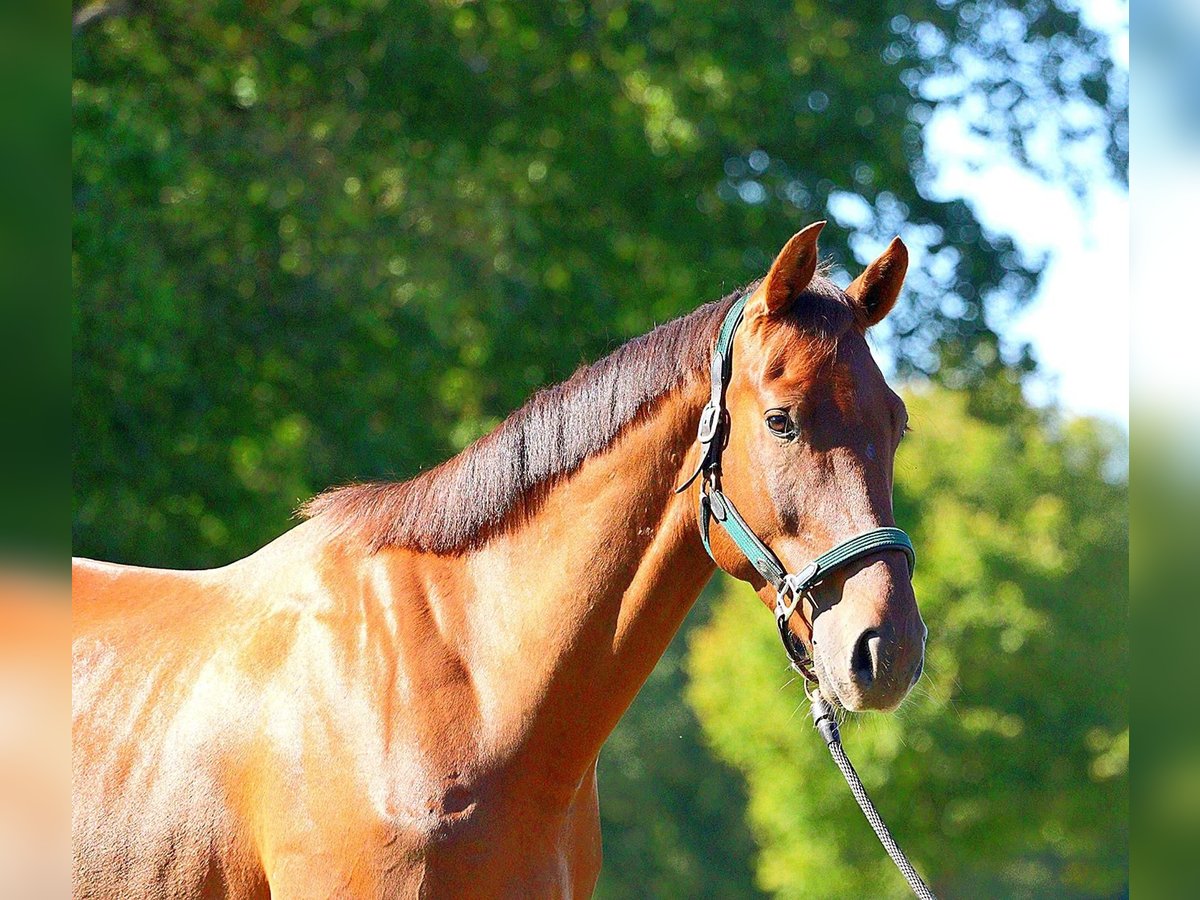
{"x": 811, "y": 443}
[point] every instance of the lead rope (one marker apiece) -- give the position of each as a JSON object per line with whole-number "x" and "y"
{"x": 825, "y": 722}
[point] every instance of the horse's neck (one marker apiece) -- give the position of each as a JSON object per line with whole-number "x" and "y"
{"x": 570, "y": 611}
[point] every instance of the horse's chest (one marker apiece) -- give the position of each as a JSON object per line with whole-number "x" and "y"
{"x": 460, "y": 841}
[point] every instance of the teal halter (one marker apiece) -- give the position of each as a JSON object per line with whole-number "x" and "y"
{"x": 790, "y": 589}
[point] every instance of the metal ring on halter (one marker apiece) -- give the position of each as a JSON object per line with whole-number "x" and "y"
{"x": 788, "y": 611}
{"x": 803, "y": 668}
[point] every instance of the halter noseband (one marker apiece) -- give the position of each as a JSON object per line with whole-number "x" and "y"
{"x": 714, "y": 505}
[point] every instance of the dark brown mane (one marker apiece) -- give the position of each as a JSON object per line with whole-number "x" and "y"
{"x": 458, "y": 504}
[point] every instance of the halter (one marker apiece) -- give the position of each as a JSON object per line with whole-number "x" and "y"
{"x": 790, "y": 589}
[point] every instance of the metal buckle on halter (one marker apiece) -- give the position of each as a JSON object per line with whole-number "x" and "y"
{"x": 710, "y": 419}
{"x": 706, "y": 433}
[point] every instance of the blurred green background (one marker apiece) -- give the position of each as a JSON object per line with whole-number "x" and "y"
{"x": 321, "y": 241}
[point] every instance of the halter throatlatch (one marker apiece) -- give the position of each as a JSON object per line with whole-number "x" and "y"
{"x": 790, "y": 589}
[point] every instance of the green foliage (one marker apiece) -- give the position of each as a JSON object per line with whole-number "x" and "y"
{"x": 1006, "y": 773}
{"x": 672, "y": 814}
{"x": 336, "y": 239}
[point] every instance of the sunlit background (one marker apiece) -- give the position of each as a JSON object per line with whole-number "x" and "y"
{"x": 320, "y": 241}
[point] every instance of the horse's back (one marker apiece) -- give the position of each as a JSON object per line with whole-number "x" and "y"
{"x": 155, "y": 721}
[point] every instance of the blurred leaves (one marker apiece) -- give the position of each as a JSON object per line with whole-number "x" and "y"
{"x": 672, "y": 814}
{"x": 379, "y": 227}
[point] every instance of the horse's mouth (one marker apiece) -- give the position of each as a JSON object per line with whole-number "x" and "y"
{"x": 851, "y": 701}
{"x": 843, "y": 697}
{"x": 825, "y": 684}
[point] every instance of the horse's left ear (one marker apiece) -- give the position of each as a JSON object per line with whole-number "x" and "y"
{"x": 790, "y": 274}
{"x": 874, "y": 292}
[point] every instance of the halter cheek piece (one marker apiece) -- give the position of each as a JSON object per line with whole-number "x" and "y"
{"x": 790, "y": 589}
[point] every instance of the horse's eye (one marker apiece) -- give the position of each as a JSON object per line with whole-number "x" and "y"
{"x": 779, "y": 423}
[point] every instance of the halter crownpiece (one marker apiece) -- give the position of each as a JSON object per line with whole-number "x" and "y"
{"x": 714, "y": 505}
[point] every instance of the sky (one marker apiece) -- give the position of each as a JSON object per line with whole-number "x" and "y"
{"x": 1078, "y": 322}
{"x": 1165, "y": 174}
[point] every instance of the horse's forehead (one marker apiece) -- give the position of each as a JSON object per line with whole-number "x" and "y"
{"x": 837, "y": 376}
{"x": 808, "y": 358}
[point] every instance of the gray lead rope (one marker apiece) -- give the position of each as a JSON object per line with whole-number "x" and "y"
{"x": 822, "y": 714}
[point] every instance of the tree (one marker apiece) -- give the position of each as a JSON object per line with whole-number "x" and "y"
{"x": 324, "y": 240}
{"x": 1006, "y": 774}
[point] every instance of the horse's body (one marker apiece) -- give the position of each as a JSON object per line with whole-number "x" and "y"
{"x": 330, "y": 720}
{"x": 350, "y": 712}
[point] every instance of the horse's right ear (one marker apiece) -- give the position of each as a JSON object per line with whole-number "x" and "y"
{"x": 873, "y": 293}
{"x": 790, "y": 274}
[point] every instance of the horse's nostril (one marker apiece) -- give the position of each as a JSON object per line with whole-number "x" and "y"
{"x": 865, "y": 661}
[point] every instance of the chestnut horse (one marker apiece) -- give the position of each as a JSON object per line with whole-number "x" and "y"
{"x": 406, "y": 694}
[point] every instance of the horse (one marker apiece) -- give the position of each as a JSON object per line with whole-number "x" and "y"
{"x": 406, "y": 694}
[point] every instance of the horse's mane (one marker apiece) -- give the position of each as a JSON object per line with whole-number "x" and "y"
{"x": 459, "y": 504}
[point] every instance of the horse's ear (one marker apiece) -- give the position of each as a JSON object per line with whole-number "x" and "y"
{"x": 790, "y": 274}
{"x": 874, "y": 292}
